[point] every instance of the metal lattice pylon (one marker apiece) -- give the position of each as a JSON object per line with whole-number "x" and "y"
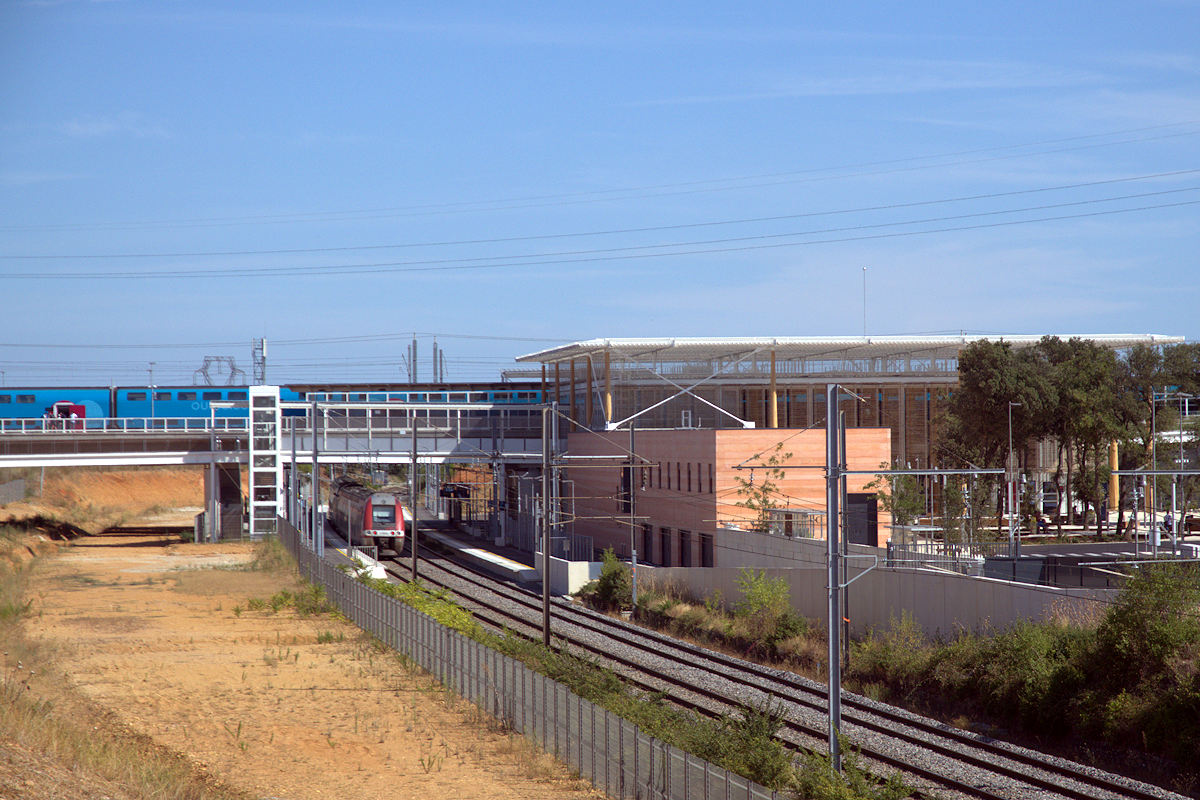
{"x": 258, "y": 353}
{"x": 218, "y": 366}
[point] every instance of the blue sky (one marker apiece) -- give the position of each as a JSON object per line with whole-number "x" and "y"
{"x": 179, "y": 178}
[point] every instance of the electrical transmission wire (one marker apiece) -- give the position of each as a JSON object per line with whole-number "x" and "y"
{"x": 861, "y": 169}
{"x": 624, "y": 253}
{"x": 604, "y": 232}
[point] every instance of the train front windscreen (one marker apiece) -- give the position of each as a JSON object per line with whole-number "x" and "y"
{"x": 383, "y": 517}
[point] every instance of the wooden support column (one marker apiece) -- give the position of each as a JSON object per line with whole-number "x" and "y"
{"x": 557, "y": 383}
{"x": 928, "y": 432}
{"x": 773, "y": 399}
{"x": 587, "y": 400}
{"x": 545, "y": 388}
{"x": 608, "y": 410}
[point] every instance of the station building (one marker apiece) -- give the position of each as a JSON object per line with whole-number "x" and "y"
{"x": 709, "y": 413}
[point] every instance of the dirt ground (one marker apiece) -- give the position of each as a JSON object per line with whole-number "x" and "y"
{"x": 160, "y": 633}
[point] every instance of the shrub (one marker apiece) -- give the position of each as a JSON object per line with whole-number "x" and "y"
{"x": 1029, "y": 672}
{"x": 1153, "y": 623}
{"x": 613, "y": 590}
{"x": 818, "y": 780}
{"x": 746, "y": 744}
{"x": 760, "y": 593}
{"x": 899, "y": 657}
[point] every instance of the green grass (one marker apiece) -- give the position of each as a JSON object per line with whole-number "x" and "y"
{"x": 743, "y": 742}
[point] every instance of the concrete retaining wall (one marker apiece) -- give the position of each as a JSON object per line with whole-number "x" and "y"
{"x": 567, "y": 577}
{"x": 737, "y": 548}
{"x": 941, "y": 603}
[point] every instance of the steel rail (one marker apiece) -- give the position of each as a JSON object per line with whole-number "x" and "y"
{"x": 862, "y": 713}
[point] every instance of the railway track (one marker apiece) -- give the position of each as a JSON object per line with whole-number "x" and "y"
{"x": 941, "y": 760}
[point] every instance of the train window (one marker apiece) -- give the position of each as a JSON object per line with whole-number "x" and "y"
{"x": 212, "y": 395}
{"x": 25, "y": 398}
{"x": 185, "y": 396}
{"x": 383, "y": 517}
{"x": 237, "y": 395}
{"x": 458, "y": 397}
{"x": 356, "y": 397}
{"x": 5, "y": 398}
{"x": 162, "y": 395}
{"x": 135, "y": 396}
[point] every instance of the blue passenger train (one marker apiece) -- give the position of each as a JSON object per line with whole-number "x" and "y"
{"x": 188, "y": 402}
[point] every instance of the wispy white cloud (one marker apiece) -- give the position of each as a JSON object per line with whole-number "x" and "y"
{"x": 533, "y": 31}
{"x": 1106, "y": 106}
{"x": 899, "y": 77}
{"x": 124, "y": 123}
{"x": 33, "y": 178}
{"x": 51, "y": 3}
{"x": 314, "y": 139}
{"x": 1173, "y": 62}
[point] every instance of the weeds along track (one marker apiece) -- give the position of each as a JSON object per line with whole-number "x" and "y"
{"x": 944, "y": 761}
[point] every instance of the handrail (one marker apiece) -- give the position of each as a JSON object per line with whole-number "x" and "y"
{"x": 454, "y": 427}
{"x": 103, "y": 425}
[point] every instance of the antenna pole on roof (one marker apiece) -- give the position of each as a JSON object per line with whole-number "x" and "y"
{"x": 864, "y": 302}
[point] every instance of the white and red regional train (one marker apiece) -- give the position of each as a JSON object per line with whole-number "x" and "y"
{"x": 367, "y": 516}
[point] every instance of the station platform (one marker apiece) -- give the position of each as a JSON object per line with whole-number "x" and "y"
{"x": 505, "y": 563}
{"x": 480, "y": 553}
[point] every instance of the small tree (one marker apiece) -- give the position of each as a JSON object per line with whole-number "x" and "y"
{"x": 761, "y": 491}
{"x": 900, "y": 495}
{"x": 953, "y": 507}
{"x": 613, "y": 590}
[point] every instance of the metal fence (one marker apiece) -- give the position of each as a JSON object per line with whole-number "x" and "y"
{"x": 929, "y": 546}
{"x": 609, "y": 751}
{"x": 525, "y": 521}
{"x": 12, "y": 491}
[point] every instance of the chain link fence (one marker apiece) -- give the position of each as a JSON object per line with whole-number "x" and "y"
{"x": 602, "y": 747}
{"x": 12, "y": 491}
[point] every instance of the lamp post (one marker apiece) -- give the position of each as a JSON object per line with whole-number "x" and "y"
{"x": 150, "y": 385}
{"x": 1154, "y": 464}
{"x": 1175, "y": 482}
{"x": 1010, "y": 497}
{"x": 1176, "y": 526}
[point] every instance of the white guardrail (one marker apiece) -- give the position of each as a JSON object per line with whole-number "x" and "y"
{"x": 102, "y": 425}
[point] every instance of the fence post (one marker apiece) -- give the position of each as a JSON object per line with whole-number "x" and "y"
{"x": 635, "y": 761}
{"x": 606, "y": 764}
{"x": 621, "y": 757}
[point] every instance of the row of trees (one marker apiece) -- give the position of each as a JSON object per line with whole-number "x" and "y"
{"x": 1075, "y": 393}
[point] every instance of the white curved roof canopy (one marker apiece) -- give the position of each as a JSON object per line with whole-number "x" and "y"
{"x": 842, "y": 348}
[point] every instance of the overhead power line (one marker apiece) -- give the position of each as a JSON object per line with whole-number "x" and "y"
{"x": 380, "y": 337}
{"x": 604, "y": 232}
{"x": 631, "y": 252}
{"x": 861, "y": 169}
